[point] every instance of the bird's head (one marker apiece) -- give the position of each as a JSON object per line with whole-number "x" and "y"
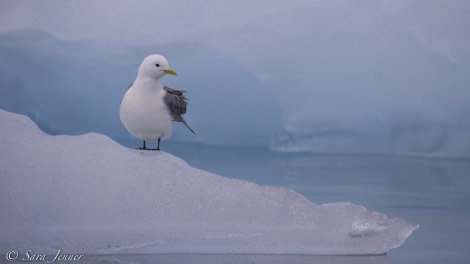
{"x": 155, "y": 66}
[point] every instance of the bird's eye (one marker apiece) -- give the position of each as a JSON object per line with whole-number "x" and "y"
{"x": 158, "y": 65}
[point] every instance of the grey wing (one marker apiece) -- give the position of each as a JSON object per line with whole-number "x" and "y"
{"x": 176, "y": 103}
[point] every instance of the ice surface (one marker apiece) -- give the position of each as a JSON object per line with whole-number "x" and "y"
{"x": 89, "y": 194}
{"x": 238, "y": 258}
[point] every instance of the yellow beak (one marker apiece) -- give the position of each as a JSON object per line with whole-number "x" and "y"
{"x": 170, "y": 71}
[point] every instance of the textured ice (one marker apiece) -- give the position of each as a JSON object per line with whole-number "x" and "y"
{"x": 89, "y": 194}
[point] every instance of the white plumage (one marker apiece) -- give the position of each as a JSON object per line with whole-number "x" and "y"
{"x": 148, "y": 107}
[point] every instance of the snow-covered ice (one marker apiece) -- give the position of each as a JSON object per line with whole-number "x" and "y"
{"x": 89, "y": 194}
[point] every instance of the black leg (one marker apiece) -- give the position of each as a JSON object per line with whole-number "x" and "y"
{"x": 144, "y": 146}
{"x": 158, "y": 146}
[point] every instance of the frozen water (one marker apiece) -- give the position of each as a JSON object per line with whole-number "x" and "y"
{"x": 350, "y": 76}
{"x": 367, "y": 76}
{"x": 238, "y": 258}
{"x": 89, "y": 194}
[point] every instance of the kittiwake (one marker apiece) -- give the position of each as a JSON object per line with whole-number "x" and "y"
{"x": 148, "y": 107}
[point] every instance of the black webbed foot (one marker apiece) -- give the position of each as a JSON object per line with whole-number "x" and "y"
{"x": 144, "y": 147}
{"x": 154, "y": 149}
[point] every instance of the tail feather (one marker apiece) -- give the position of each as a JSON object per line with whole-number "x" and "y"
{"x": 186, "y": 124}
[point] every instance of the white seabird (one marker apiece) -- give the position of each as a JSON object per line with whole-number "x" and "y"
{"x": 148, "y": 107}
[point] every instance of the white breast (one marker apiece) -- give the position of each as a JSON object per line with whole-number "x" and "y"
{"x": 144, "y": 113}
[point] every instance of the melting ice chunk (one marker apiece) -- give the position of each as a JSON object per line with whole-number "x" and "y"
{"x": 88, "y": 194}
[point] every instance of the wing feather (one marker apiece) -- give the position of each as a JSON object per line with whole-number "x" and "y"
{"x": 176, "y": 103}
